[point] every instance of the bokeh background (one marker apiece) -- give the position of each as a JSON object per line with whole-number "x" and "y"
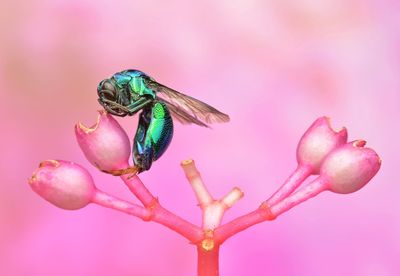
{"x": 273, "y": 66}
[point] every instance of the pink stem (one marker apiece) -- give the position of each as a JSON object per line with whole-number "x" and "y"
{"x": 291, "y": 183}
{"x": 190, "y": 231}
{"x": 137, "y": 187}
{"x": 314, "y": 188}
{"x": 192, "y": 174}
{"x": 207, "y": 261}
{"x": 108, "y": 201}
{"x": 229, "y": 229}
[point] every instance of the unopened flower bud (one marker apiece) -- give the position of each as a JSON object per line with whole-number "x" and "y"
{"x": 317, "y": 142}
{"x": 349, "y": 167}
{"x": 106, "y": 145}
{"x": 64, "y": 184}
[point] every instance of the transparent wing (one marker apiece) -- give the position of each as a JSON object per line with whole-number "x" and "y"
{"x": 186, "y": 108}
{"x": 182, "y": 116}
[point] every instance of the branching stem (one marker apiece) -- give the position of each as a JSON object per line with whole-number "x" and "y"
{"x": 155, "y": 213}
{"x": 233, "y": 227}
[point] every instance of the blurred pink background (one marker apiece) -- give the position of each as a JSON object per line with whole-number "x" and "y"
{"x": 274, "y": 66}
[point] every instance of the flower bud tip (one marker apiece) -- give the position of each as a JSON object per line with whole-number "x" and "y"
{"x": 50, "y": 163}
{"x": 32, "y": 179}
{"x": 329, "y": 123}
{"x": 359, "y": 143}
{"x": 82, "y": 127}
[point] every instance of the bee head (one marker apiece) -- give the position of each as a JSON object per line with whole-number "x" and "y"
{"x": 113, "y": 98}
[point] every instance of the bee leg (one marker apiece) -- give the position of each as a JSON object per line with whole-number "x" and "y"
{"x": 138, "y": 105}
{"x": 114, "y": 104}
{"x": 129, "y": 170}
{"x": 142, "y": 148}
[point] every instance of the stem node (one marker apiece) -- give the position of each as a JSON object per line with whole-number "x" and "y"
{"x": 207, "y": 244}
{"x": 266, "y": 210}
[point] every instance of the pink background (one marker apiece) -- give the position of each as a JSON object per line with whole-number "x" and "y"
{"x": 273, "y": 66}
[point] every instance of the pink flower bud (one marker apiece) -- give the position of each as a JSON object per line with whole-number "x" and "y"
{"x": 106, "y": 145}
{"x": 64, "y": 184}
{"x": 317, "y": 142}
{"x": 349, "y": 167}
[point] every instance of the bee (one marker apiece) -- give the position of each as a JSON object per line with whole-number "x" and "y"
{"x": 130, "y": 91}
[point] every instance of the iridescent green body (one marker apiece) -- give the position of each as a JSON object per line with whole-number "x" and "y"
{"x": 130, "y": 91}
{"x": 153, "y": 135}
{"x": 135, "y": 81}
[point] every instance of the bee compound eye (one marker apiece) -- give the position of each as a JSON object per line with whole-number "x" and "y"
{"x": 106, "y": 90}
{"x": 108, "y": 95}
{"x": 107, "y": 85}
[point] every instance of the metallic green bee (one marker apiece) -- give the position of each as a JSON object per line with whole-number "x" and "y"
{"x": 130, "y": 91}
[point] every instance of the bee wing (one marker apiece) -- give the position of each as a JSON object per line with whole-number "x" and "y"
{"x": 182, "y": 116}
{"x": 189, "y": 109}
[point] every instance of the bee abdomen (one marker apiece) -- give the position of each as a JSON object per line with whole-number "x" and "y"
{"x": 153, "y": 135}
